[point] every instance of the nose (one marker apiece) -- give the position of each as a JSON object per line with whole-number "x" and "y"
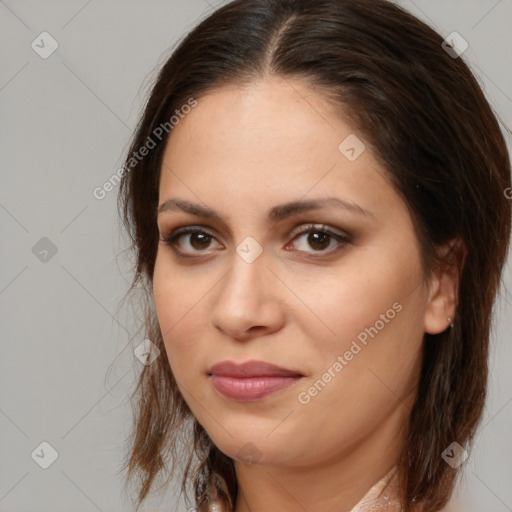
{"x": 249, "y": 303}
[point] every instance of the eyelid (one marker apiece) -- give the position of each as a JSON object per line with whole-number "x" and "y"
{"x": 302, "y": 229}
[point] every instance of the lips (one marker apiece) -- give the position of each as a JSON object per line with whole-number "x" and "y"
{"x": 250, "y": 381}
{"x": 251, "y": 369}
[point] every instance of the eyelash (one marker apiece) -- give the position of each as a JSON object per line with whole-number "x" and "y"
{"x": 342, "y": 240}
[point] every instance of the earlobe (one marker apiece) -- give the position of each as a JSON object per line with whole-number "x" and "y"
{"x": 441, "y": 307}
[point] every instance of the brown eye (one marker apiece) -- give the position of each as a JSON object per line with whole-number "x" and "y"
{"x": 318, "y": 239}
{"x": 199, "y": 240}
{"x": 189, "y": 240}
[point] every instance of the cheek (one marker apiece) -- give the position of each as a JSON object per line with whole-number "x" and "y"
{"x": 342, "y": 304}
{"x": 180, "y": 310}
{"x": 366, "y": 330}
{"x": 356, "y": 386}
{"x": 178, "y": 295}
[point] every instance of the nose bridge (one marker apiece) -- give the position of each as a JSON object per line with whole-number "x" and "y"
{"x": 247, "y": 279}
{"x": 248, "y": 262}
{"x": 247, "y": 297}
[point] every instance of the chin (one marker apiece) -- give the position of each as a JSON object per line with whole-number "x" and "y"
{"x": 243, "y": 448}
{"x": 264, "y": 452}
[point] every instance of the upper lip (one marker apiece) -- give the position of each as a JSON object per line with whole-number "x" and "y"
{"x": 251, "y": 369}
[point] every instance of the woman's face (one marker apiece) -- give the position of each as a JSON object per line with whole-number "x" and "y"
{"x": 345, "y": 305}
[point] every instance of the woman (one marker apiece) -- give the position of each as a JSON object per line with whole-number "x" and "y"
{"x": 320, "y": 224}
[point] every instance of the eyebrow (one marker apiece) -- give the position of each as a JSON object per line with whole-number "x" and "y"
{"x": 276, "y": 214}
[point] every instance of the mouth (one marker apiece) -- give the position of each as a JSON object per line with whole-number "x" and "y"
{"x": 252, "y": 380}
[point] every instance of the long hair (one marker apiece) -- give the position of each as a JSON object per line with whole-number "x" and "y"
{"x": 430, "y": 125}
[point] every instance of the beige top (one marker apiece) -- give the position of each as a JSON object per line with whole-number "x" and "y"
{"x": 375, "y": 500}
{"x": 382, "y": 497}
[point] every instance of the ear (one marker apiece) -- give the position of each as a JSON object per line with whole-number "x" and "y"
{"x": 443, "y": 290}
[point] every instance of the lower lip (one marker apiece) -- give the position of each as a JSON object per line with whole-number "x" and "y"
{"x": 249, "y": 389}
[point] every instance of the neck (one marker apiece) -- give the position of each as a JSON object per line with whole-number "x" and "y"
{"x": 335, "y": 485}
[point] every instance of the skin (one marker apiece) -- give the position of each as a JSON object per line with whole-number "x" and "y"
{"x": 301, "y": 303}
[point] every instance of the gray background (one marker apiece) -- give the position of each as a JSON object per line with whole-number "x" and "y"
{"x": 67, "y": 362}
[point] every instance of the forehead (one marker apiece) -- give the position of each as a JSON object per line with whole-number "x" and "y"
{"x": 272, "y": 114}
{"x": 267, "y": 142}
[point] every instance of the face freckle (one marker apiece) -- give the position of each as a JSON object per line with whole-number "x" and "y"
{"x": 349, "y": 321}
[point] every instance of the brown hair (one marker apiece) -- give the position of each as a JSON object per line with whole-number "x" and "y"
{"x": 427, "y": 120}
